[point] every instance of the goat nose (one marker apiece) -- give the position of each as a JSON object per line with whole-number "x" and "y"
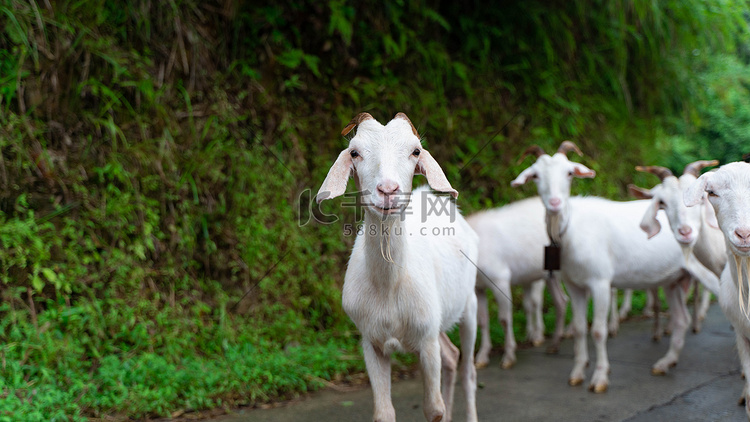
{"x": 743, "y": 233}
{"x": 685, "y": 230}
{"x": 388, "y": 187}
{"x": 554, "y": 202}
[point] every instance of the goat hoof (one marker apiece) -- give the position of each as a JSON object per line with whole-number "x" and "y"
{"x": 480, "y": 365}
{"x": 656, "y": 339}
{"x": 741, "y": 401}
{"x": 696, "y": 330}
{"x": 537, "y": 343}
{"x": 599, "y": 388}
{"x": 575, "y": 381}
{"x": 553, "y": 350}
{"x": 658, "y": 371}
{"x": 507, "y": 364}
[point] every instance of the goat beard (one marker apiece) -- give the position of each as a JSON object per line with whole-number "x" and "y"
{"x": 385, "y": 242}
{"x": 686, "y": 251}
{"x": 743, "y": 262}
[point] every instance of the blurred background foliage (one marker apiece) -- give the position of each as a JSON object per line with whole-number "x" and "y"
{"x": 158, "y": 160}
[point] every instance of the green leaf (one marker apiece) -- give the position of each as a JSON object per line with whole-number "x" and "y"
{"x": 50, "y": 275}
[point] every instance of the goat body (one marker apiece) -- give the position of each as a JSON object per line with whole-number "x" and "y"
{"x": 603, "y": 247}
{"x": 411, "y": 274}
{"x": 423, "y": 291}
{"x": 511, "y": 249}
{"x": 728, "y": 192}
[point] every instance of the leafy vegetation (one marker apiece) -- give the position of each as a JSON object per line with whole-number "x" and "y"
{"x": 158, "y": 160}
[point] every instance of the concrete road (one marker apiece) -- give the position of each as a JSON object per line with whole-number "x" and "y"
{"x": 704, "y": 386}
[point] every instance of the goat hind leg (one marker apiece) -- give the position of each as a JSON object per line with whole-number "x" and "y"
{"x": 601, "y": 295}
{"x": 501, "y": 290}
{"x": 560, "y": 300}
{"x": 483, "y": 321}
{"x": 533, "y": 295}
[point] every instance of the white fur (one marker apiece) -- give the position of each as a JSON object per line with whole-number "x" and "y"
{"x": 406, "y": 285}
{"x": 729, "y": 194}
{"x": 503, "y": 264}
{"x": 690, "y": 229}
{"x": 603, "y": 247}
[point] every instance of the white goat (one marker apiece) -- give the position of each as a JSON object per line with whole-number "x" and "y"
{"x": 695, "y": 229}
{"x": 728, "y": 191}
{"x": 411, "y": 274}
{"x": 502, "y": 264}
{"x": 602, "y": 246}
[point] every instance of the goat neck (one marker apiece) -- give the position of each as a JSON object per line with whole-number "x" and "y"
{"x": 557, "y": 223}
{"x": 385, "y": 244}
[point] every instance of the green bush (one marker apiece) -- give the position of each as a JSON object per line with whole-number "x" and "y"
{"x": 159, "y": 159}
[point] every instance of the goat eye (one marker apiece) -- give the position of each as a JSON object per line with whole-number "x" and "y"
{"x": 416, "y": 152}
{"x": 354, "y": 154}
{"x": 712, "y": 193}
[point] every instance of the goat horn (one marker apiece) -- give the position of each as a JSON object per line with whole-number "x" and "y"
{"x": 400, "y": 115}
{"x": 660, "y": 171}
{"x": 535, "y": 150}
{"x": 359, "y": 118}
{"x": 568, "y": 146}
{"x": 695, "y": 167}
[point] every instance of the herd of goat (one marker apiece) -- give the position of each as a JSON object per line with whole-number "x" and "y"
{"x": 410, "y": 280}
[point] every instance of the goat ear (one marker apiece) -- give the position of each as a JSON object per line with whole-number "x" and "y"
{"x": 579, "y": 170}
{"x": 693, "y": 195}
{"x": 650, "y": 224}
{"x": 338, "y": 175}
{"x": 710, "y": 214}
{"x": 524, "y": 177}
{"x": 428, "y": 167}
{"x": 640, "y": 192}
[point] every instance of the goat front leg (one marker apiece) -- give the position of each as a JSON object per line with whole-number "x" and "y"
{"x": 379, "y": 370}
{"x": 600, "y": 294}
{"x": 468, "y": 333}
{"x": 679, "y": 321}
{"x": 437, "y": 408}
{"x": 560, "y": 300}
{"x": 743, "y": 350}
{"x": 579, "y": 303}
{"x": 696, "y": 306}
{"x": 483, "y": 321}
